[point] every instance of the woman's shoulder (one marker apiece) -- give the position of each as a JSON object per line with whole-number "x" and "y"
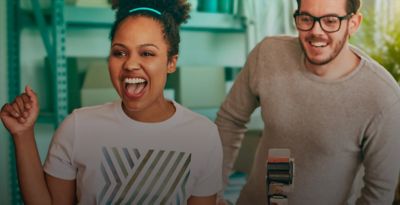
{"x": 191, "y": 116}
{"x": 94, "y": 112}
{"x": 95, "y": 109}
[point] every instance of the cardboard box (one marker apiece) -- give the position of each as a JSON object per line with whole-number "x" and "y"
{"x": 46, "y": 4}
{"x": 97, "y": 87}
{"x": 201, "y": 86}
{"x": 244, "y": 161}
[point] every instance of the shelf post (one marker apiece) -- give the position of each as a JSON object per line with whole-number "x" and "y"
{"x": 41, "y": 23}
{"x": 59, "y": 64}
{"x": 14, "y": 87}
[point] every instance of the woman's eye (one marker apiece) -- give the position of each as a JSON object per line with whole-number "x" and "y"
{"x": 119, "y": 53}
{"x": 147, "y": 53}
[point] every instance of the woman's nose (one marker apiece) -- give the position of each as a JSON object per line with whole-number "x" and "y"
{"x": 132, "y": 64}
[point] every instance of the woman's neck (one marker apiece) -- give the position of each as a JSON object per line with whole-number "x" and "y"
{"x": 162, "y": 112}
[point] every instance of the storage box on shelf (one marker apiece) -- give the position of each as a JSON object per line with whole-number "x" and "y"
{"x": 46, "y": 4}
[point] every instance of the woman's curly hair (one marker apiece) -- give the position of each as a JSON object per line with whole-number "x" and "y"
{"x": 173, "y": 14}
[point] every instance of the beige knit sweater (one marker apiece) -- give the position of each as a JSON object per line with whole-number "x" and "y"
{"x": 331, "y": 127}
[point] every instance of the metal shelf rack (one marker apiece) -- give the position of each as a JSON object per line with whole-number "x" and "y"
{"x": 13, "y": 30}
{"x": 55, "y": 48}
{"x": 76, "y": 16}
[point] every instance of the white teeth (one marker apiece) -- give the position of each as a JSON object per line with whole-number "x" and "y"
{"x": 319, "y": 44}
{"x": 134, "y": 80}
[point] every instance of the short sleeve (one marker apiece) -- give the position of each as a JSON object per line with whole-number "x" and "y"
{"x": 59, "y": 160}
{"x": 210, "y": 182}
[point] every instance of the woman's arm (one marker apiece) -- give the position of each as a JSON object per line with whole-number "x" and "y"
{"x": 36, "y": 186}
{"x": 61, "y": 191}
{"x": 19, "y": 118}
{"x": 208, "y": 200}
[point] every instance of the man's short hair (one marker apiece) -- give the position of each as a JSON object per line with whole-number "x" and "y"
{"x": 352, "y": 6}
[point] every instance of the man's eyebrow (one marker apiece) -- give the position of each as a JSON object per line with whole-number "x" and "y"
{"x": 329, "y": 14}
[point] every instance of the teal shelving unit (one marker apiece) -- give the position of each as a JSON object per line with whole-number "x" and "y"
{"x": 59, "y": 62}
{"x": 55, "y": 48}
{"x": 13, "y": 43}
{"x": 199, "y": 21}
{"x": 59, "y": 18}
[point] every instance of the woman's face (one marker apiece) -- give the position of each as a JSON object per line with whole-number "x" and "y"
{"x": 138, "y": 65}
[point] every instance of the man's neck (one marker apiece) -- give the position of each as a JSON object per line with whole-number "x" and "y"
{"x": 338, "y": 68}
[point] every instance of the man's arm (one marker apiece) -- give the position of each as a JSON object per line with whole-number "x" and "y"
{"x": 381, "y": 157}
{"x": 235, "y": 113}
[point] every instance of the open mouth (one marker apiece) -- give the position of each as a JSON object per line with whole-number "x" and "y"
{"x": 135, "y": 87}
{"x": 318, "y": 44}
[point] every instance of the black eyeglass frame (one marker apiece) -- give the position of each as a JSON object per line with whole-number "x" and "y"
{"x": 315, "y": 19}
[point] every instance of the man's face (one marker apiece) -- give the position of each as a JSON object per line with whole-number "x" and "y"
{"x": 321, "y": 47}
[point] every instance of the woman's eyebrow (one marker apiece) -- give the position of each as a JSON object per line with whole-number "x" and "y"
{"x": 118, "y": 44}
{"x": 149, "y": 44}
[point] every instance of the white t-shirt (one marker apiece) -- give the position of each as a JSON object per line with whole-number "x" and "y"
{"x": 115, "y": 159}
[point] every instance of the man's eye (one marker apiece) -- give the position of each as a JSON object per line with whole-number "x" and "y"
{"x": 331, "y": 20}
{"x": 305, "y": 19}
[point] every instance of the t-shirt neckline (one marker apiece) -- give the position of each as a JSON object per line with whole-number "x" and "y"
{"x": 129, "y": 121}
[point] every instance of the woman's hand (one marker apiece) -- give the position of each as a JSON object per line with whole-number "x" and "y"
{"x": 19, "y": 117}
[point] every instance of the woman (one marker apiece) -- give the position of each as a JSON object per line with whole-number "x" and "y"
{"x": 143, "y": 149}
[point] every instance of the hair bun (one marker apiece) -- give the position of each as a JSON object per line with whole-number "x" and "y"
{"x": 177, "y": 9}
{"x": 114, "y": 4}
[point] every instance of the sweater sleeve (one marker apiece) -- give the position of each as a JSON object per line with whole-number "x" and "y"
{"x": 381, "y": 152}
{"x": 235, "y": 113}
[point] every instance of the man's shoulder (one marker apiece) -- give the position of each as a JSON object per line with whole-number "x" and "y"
{"x": 279, "y": 44}
{"x": 275, "y": 49}
{"x": 378, "y": 81}
{"x": 281, "y": 40}
{"x": 378, "y": 75}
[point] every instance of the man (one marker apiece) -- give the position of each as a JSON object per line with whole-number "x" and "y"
{"x": 335, "y": 108}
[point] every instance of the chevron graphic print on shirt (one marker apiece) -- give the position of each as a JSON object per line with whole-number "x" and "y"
{"x": 150, "y": 177}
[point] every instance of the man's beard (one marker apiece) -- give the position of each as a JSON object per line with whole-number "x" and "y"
{"x": 336, "y": 50}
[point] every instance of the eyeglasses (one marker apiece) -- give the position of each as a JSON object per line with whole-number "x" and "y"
{"x": 328, "y": 23}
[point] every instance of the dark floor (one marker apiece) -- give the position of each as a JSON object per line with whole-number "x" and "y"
{"x": 236, "y": 182}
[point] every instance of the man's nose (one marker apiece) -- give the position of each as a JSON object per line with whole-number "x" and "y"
{"x": 317, "y": 28}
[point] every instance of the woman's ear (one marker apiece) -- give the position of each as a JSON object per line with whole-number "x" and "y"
{"x": 171, "y": 67}
{"x": 354, "y": 23}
